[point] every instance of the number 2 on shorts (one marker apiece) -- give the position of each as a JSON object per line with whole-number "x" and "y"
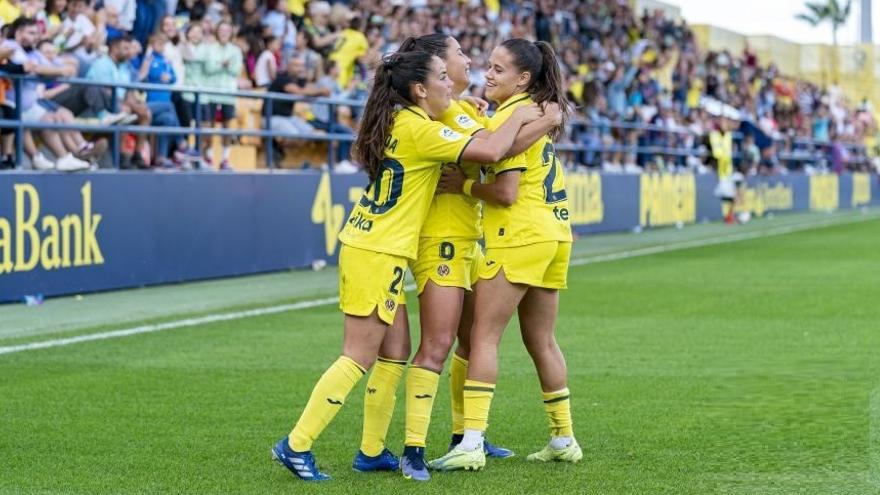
{"x": 398, "y": 278}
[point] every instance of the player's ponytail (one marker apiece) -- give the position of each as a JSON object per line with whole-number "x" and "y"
{"x": 392, "y": 86}
{"x": 435, "y": 44}
{"x": 546, "y": 84}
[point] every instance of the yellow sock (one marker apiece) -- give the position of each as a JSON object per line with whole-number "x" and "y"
{"x": 477, "y": 401}
{"x": 558, "y": 407}
{"x": 421, "y": 388}
{"x": 457, "y": 375}
{"x": 327, "y": 398}
{"x": 379, "y": 399}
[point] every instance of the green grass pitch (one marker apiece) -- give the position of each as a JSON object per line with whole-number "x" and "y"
{"x": 741, "y": 368}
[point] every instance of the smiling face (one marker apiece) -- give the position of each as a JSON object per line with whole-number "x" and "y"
{"x": 435, "y": 94}
{"x": 169, "y": 26}
{"x": 458, "y": 65}
{"x": 195, "y": 34}
{"x": 224, "y": 32}
{"x": 503, "y": 78}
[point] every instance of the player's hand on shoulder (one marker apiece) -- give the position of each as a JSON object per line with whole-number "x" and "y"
{"x": 480, "y": 104}
{"x": 529, "y": 113}
{"x": 451, "y": 180}
{"x": 553, "y": 111}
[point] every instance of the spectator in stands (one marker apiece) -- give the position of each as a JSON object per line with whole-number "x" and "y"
{"x": 114, "y": 68}
{"x": 62, "y": 144}
{"x": 126, "y": 11}
{"x": 350, "y": 48}
{"x": 250, "y": 18}
{"x": 173, "y": 52}
{"x": 266, "y": 68}
{"x": 80, "y": 37}
{"x": 193, "y": 50}
{"x": 154, "y": 68}
{"x": 83, "y": 101}
{"x": 223, "y": 63}
{"x": 321, "y": 115}
{"x": 278, "y": 21}
{"x": 113, "y": 25}
{"x": 251, "y": 47}
{"x": 56, "y": 11}
{"x": 313, "y": 61}
{"x": 291, "y": 81}
{"x": 320, "y": 37}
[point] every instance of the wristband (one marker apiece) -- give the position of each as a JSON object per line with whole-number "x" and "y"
{"x": 468, "y": 185}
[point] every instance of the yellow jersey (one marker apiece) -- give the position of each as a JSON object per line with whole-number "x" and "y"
{"x": 348, "y": 48}
{"x": 457, "y": 215}
{"x": 540, "y": 212}
{"x": 722, "y": 151}
{"x": 390, "y": 214}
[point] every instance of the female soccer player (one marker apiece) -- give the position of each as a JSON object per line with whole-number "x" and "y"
{"x": 402, "y": 148}
{"x": 444, "y": 270}
{"x": 528, "y": 243}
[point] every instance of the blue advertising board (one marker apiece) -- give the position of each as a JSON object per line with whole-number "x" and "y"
{"x": 69, "y": 234}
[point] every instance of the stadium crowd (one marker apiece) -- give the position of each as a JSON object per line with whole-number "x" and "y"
{"x": 647, "y": 95}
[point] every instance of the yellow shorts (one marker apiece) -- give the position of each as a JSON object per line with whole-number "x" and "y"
{"x": 447, "y": 262}
{"x": 370, "y": 281}
{"x": 544, "y": 264}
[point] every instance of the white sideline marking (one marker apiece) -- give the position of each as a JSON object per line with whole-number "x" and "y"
{"x": 189, "y": 322}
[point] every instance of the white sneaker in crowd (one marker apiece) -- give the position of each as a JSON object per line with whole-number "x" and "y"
{"x": 40, "y": 162}
{"x": 70, "y": 163}
{"x": 345, "y": 167}
{"x": 122, "y": 118}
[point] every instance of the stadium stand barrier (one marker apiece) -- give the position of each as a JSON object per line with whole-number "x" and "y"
{"x": 199, "y": 131}
{"x": 802, "y": 150}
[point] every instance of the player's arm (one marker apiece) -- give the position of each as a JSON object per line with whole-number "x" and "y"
{"x": 533, "y": 131}
{"x": 503, "y": 191}
{"x": 494, "y": 147}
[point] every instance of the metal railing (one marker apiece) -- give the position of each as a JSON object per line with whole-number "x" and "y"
{"x": 198, "y": 130}
{"x": 801, "y": 149}
{"x": 807, "y": 150}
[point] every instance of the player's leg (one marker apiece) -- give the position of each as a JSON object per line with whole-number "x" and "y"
{"x": 537, "y": 319}
{"x": 439, "y": 311}
{"x": 496, "y": 301}
{"x": 369, "y": 295}
{"x": 363, "y": 337}
{"x": 458, "y": 374}
{"x": 380, "y": 397}
{"x": 458, "y": 367}
{"x": 459, "y": 362}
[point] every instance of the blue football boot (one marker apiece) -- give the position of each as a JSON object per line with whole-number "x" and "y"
{"x": 385, "y": 461}
{"x": 412, "y": 464}
{"x": 301, "y": 464}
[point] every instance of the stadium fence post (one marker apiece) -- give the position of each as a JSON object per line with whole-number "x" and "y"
{"x": 198, "y": 129}
{"x": 331, "y": 145}
{"x": 116, "y": 141}
{"x": 270, "y": 149}
{"x": 19, "y": 136}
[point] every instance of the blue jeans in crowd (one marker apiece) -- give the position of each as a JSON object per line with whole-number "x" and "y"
{"x": 164, "y": 115}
